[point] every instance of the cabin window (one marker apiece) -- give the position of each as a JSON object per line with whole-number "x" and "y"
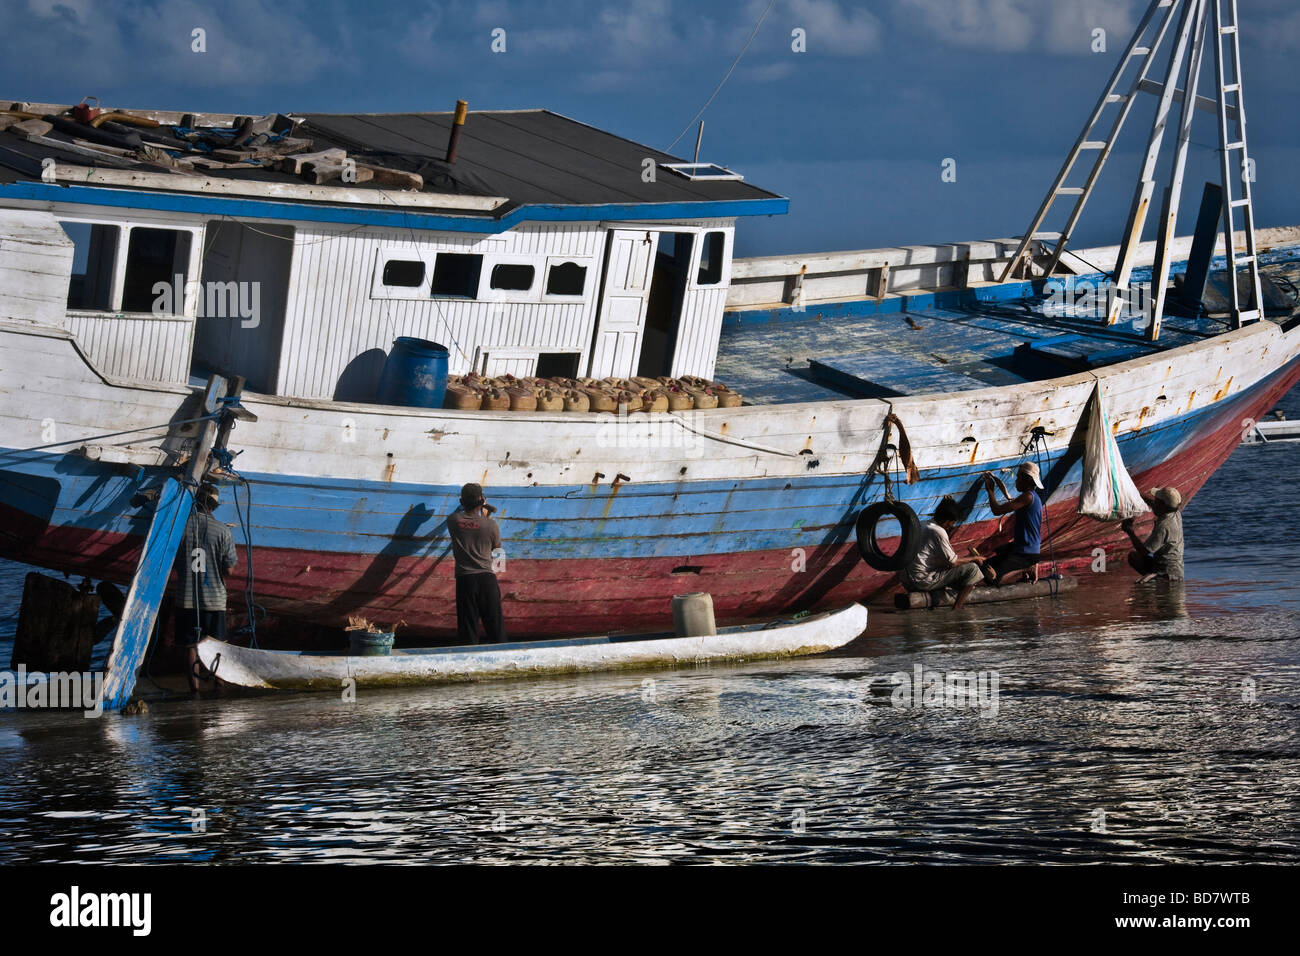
{"x": 710, "y": 272}
{"x": 557, "y": 365}
{"x": 455, "y": 275}
{"x": 408, "y": 273}
{"x": 568, "y": 278}
{"x": 94, "y": 253}
{"x": 515, "y": 277}
{"x": 153, "y": 256}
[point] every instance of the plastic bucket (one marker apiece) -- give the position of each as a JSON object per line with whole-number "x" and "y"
{"x": 364, "y": 644}
{"x": 415, "y": 374}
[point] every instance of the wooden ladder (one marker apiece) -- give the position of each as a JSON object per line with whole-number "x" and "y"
{"x": 1227, "y": 66}
{"x": 1140, "y": 52}
{"x": 1185, "y": 57}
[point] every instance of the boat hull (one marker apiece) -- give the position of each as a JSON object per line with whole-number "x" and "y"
{"x": 339, "y": 528}
{"x": 289, "y": 670}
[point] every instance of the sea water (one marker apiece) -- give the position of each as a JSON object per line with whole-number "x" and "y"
{"x": 1113, "y": 723}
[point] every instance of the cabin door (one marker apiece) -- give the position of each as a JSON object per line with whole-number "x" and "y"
{"x": 624, "y": 296}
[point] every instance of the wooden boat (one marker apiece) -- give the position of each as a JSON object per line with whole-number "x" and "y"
{"x": 988, "y": 353}
{"x": 305, "y": 670}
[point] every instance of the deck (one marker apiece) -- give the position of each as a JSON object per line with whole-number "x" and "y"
{"x": 944, "y": 341}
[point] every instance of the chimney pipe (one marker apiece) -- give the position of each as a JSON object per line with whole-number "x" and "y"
{"x": 456, "y": 124}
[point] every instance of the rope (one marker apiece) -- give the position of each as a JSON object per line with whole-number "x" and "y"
{"x": 129, "y": 431}
{"x": 902, "y": 460}
{"x": 718, "y": 88}
{"x": 246, "y": 525}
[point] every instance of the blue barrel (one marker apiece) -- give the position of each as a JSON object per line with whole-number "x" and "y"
{"x": 365, "y": 644}
{"x": 415, "y": 374}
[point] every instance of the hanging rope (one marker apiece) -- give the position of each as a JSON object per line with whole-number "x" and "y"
{"x": 904, "y": 449}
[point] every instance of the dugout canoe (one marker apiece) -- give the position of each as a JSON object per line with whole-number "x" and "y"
{"x": 311, "y": 670}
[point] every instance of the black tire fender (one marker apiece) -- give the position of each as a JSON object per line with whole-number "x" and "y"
{"x": 869, "y": 547}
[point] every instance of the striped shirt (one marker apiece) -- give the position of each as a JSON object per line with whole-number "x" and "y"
{"x": 218, "y": 545}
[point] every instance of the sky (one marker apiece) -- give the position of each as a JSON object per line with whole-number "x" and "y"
{"x": 856, "y": 128}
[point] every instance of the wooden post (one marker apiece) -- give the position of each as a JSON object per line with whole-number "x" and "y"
{"x": 171, "y": 515}
{"x": 56, "y": 626}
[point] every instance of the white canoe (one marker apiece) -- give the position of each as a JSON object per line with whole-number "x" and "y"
{"x": 309, "y": 670}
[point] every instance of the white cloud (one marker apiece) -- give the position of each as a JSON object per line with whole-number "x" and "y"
{"x": 245, "y": 40}
{"x": 832, "y": 28}
{"x": 1058, "y": 26}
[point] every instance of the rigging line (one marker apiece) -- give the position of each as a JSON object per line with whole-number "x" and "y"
{"x": 436, "y": 304}
{"x": 129, "y": 431}
{"x": 718, "y": 88}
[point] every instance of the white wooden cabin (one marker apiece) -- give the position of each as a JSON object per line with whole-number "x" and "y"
{"x": 304, "y": 299}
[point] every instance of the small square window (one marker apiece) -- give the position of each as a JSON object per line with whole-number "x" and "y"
{"x": 93, "y": 256}
{"x": 514, "y": 277}
{"x": 408, "y": 273}
{"x": 153, "y": 256}
{"x": 568, "y": 278}
{"x": 711, "y": 259}
{"x": 557, "y": 365}
{"x": 455, "y": 275}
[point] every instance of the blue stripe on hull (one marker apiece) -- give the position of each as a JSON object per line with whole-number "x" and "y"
{"x": 328, "y": 515}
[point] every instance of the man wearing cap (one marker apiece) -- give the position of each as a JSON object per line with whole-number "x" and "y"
{"x": 207, "y": 555}
{"x": 1161, "y": 554}
{"x": 1027, "y": 536}
{"x": 474, "y": 536}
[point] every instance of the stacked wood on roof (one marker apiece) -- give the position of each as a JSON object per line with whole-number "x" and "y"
{"x": 89, "y": 136}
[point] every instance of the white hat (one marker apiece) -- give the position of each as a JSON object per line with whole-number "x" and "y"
{"x": 1030, "y": 469}
{"x": 1168, "y": 496}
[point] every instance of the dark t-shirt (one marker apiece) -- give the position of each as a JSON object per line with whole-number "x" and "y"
{"x": 473, "y": 539}
{"x": 1027, "y": 536}
{"x": 1165, "y": 544}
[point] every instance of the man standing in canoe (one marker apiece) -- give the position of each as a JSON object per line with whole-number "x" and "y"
{"x": 474, "y": 536}
{"x": 936, "y": 565}
{"x": 1161, "y": 554}
{"x": 1027, "y": 536}
{"x": 207, "y": 555}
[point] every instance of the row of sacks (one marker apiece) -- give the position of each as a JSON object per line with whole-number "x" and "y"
{"x": 640, "y": 394}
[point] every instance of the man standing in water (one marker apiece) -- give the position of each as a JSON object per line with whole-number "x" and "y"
{"x": 474, "y": 536}
{"x": 207, "y": 555}
{"x": 1027, "y": 537}
{"x": 1161, "y": 554}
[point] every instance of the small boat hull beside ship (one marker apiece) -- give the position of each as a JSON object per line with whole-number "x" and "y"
{"x": 301, "y": 670}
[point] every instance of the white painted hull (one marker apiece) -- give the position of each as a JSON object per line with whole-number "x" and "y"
{"x": 295, "y": 670}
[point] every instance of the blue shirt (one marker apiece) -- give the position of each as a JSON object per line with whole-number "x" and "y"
{"x": 1028, "y": 537}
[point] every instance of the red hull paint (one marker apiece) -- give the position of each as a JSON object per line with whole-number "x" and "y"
{"x": 556, "y": 598}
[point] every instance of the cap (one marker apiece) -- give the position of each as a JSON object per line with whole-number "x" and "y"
{"x": 471, "y": 495}
{"x": 1030, "y": 469}
{"x": 1168, "y": 496}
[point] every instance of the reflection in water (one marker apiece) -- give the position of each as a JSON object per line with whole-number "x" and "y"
{"x": 1150, "y": 723}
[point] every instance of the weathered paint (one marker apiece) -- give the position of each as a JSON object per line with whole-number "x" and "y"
{"x": 140, "y": 610}
{"x": 332, "y": 538}
{"x": 288, "y": 670}
{"x": 405, "y": 218}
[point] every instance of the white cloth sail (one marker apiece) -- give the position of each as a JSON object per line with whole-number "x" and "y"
{"x": 1108, "y": 493}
